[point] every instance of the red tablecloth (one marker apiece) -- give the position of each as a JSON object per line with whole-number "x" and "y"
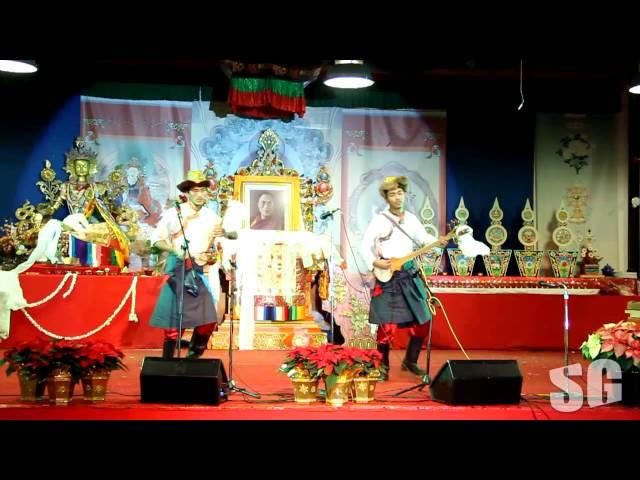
{"x": 481, "y": 321}
{"x": 521, "y": 321}
{"x": 623, "y": 286}
{"x": 92, "y": 301}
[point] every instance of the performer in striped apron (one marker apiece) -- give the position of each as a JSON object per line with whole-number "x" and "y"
{"x": 401, "y": 302}
{"x": 201, "y": 226}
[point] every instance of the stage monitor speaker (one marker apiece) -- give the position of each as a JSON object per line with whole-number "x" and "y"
{"x": 481, "y": 382}
{"x": 179, "y": 380}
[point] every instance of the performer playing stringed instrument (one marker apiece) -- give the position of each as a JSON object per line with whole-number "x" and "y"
{"x": 400, "y": 302}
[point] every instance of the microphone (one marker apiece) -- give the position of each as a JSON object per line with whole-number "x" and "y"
{"x": 542, "y": 283}
{"x": 176, "y": 204}
{"x": 328, "y": 214}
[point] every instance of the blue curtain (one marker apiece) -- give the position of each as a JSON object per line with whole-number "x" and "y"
{"x": 490, "y": 155}
{"x": 41, "y": 132}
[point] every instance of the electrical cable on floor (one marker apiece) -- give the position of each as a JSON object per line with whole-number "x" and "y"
{"x": 437, "y": 300}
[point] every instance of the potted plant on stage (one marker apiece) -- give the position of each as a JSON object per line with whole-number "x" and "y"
{"x": 619, "y": 342}
{"x": 337, "y": 366}
{"x": 370, "y": 369}
{"x": 303, "y": 374}
{"x": 97, "y": 360}
{"x": 64, "y": 370}
{"x": 31, "y": 364}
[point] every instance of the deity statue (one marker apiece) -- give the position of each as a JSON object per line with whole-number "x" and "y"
{"x": 80, "y": 189}
{"x": 98, "y": 201}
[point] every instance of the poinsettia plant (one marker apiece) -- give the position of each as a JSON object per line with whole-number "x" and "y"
{"x": 28, "y": 357}
{"x": 332, "y": 361}
{"x": 298, "y": 364}
{"x": 65, "y": 355}
{"x": 616, "y": 341}
{"x": 100, "y": 355}
{"x": 369, "y": 362}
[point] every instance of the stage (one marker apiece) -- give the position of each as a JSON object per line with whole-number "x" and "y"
{"x": 257, "y": 371}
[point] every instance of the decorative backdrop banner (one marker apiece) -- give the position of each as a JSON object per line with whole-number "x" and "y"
{"x": 150, "y": 141}
{"x": 579, "y": 163}
{"x": 381, "y": 143}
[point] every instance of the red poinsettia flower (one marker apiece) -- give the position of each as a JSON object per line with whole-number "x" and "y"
{"x": 100, "y": 355}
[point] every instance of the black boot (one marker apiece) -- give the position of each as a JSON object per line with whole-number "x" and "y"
{"x": 198, "y": 345}
{"x": 410, "y": 361}
{"x": 168, "y": 348}
{"x": 383, "y": 348}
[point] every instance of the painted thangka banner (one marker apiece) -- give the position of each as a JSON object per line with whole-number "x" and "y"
{"x": 150, "y": 141}
{"x": 580, "y": 161}
{"x": 381, "y": 143}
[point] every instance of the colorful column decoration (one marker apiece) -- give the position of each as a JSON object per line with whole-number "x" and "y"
{"x": 529, "y": 260}
{"x": 497, "y": 261}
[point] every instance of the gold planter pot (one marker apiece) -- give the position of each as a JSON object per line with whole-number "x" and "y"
{"x": 305, "y": 389}
{"x": 339, "y": 394}
{"x": 31, "y": 386}
{"x": 94, "y": 384}
{"x": 60, "y": 386}
{"x": 363, "y": 389}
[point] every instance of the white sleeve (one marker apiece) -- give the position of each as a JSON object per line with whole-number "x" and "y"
{"x": 215, "y": 221}
{"x": 368, "y": 244}
{"x": 163, "y": 228}
{"x": 420, "y": 235}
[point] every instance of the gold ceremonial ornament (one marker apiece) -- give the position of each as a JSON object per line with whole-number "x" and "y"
{"x": 562, "y": 235}
{"x": 461, "y": 264}
{"x": 528, "y": 260}
{"x": 497, "y": 261}
{"x": 462, "y": 213}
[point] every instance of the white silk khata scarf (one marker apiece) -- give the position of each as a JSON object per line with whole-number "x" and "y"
{"x": 11, "y": 296}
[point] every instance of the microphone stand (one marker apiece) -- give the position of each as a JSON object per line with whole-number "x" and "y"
{"x": 566, "y": 326}
{"x": 185, "y": 253}
{"x": 566, "y": 337}
{"x": 331, "y": 272}
{"x": 565, "y": 295}
{"x": 232, "y": 387}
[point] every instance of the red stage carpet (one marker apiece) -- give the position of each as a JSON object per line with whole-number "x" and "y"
{"x": 257, "y": 371}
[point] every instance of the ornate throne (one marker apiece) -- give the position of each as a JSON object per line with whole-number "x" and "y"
{"x": 276, "y": 270}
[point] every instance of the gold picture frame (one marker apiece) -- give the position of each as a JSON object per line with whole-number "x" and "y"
{"x": 283, "y": 206}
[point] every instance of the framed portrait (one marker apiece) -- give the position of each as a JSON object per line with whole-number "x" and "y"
{"x": 273, "y": 202}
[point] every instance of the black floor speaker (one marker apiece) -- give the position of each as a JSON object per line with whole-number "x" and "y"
{"x": 179, "y": 380}
{"x": 477, "y": 382}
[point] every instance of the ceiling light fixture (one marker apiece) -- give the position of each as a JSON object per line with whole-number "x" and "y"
{"x": 348, "y": 74}
{"x": 18, "y": 66}
{"x": 635, "y": 83}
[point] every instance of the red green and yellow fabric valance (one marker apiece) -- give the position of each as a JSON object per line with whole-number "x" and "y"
{"x": 268, "y": 90}
{"x": 266, "y": 97}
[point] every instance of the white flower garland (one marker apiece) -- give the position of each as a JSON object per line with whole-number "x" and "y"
{"x": 57, "y": 290}
{"x": 131, "y": 292}
{"x": 71, "y": 287}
